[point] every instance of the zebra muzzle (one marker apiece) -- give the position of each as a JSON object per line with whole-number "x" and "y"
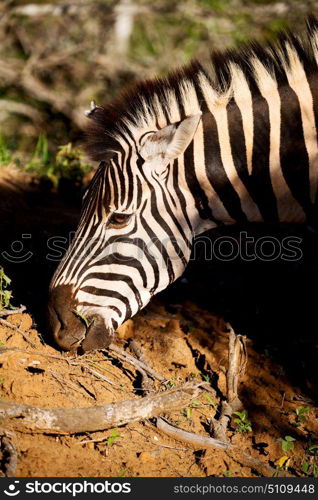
{"x": 98, "y": 336}
{"x": 70, "y": 329}
{"x": 67, "y": 329}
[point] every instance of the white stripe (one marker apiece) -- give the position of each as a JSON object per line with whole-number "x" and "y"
{"x": 218, "y": 209}
{"x": 286, "y": 203}
{"x": 244, "y": 101}
{"x": 217, "y": 106}
{"x": 298, "y": 82}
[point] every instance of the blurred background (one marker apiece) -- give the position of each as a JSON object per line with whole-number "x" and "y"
{"x": 55, "y": 57}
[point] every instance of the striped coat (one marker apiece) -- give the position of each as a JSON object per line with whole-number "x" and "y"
{"x": 228, "y": 140}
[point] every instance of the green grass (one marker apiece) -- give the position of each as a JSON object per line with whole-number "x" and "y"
{"x": 68, "y": 163}
{"x": 5, "y": 153}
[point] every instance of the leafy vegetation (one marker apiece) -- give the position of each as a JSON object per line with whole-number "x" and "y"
{"x": 67, "y": 164}
{"x": 244, "y": 425}
{"x": 5, "y": 154}
{"x": 5, "y": 294}
{"x": 300, "y": 415}
{"x": 112, "y": 438}
{"x": 287, "y": 443}
{"x": 310, "y": 469}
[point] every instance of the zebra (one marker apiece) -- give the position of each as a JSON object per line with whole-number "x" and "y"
{"x": 232, "y": 139}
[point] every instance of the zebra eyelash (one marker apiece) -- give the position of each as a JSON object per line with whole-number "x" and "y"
{"x": 118, "y": 220}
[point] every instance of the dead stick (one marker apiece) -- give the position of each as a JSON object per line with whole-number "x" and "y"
{"x": 123, "y": 355}
{"x": 12, "y": 327}
{"x": 69, "y": 360}
{"x": 237, "y": 359}
{"x": 96, "y": 418}
{"x": 8, "y": 312}
{"x": 99, "y": 375}
{"x": 201, "y": 442}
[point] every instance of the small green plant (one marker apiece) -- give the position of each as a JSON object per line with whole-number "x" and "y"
{"x": 210, "y": 401}
{"x": 300, "y": 415}
{"x": 228, "y": 473}
{"x": 69, "y": 164}
{"x": 313, "y": 449}
{"x": 113, "y": 436}
{"x": 244, "y": 425}
{"x": 195, "y": 404}
{"x": 82, "y": 317}
{"x": 187, "y": 412}
{"x": 5, "y": 294}
{"x": 171, "y": 383}
{"x": 123, "y": 473}
{"x": 310, "y": 469}
{"x": 287, "y": 443}
{"x": 5, "y": 154}
{"x": 40, "y": 159}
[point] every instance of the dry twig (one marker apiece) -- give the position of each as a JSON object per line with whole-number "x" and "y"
{"x": 8, "y": 312}
{"x": 12, "y": 327}
{"x": 201, "y": 442}
{"x": 139, "y": 365}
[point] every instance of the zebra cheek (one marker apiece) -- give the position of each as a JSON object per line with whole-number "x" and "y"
{"x": 97, "y": 336}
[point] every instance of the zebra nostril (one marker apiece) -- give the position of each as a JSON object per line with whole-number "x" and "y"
{"x": 66, "y": 328}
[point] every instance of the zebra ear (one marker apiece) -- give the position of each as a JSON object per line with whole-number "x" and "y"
{"x": 171, "y": 141}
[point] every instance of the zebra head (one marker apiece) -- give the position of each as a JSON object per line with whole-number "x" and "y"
{"x": 134, "y": 237}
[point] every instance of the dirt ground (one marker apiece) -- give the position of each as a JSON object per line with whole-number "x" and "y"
{"x": 181, "y": 351}
{"x": 180, "y": 339}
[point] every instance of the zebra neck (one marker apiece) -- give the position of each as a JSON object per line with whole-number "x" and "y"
{"x": 256, "y": 159}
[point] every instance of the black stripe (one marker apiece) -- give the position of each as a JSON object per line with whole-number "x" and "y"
{"x": 215, "y": 170}
{"x": 116, "y": 277}
{"x": 175, "y": 220}
{"x": 90, "y": 304}
{"x": 109, "y": 293}
{"x": 293, "y": 152}
{"x": 117, "y": 258}
{"x": 179, "y": 193}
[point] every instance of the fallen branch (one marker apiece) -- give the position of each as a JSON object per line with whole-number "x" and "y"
{"x": 196, "y": 440}
{"x": 8, "y": 312}
{"x": 96, "y": 418}
{"x": 12, "y": 327}
{"x": 237, "y": 363}
{"x": 139, "y": 365}
{"x": 233, "y": 451}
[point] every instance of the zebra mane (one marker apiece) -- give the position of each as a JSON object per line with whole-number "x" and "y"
{"x": 155, "y": 103}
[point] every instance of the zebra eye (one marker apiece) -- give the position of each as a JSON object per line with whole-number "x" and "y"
{"x": 118, "y": 220}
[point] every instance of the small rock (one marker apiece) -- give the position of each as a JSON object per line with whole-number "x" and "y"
{"x": 146, "y": 457}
